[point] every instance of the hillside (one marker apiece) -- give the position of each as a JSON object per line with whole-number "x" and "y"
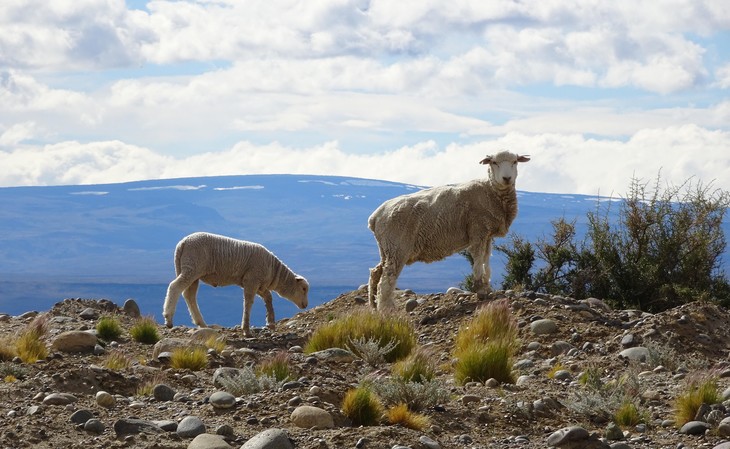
{"x": 684, "y": 344}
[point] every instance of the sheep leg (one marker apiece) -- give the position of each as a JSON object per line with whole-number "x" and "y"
{"x": 375, "y": 276}
{"x": 268, "y": 300}
{"x": 249, "y": 294}
{"x": 191, "y": 298}
{"x": 481, "y": 269}
{"x": 174, "y": 290}
{"x": 386, "y": 287}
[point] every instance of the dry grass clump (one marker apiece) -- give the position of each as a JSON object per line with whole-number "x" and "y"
{"x": 108, "y": 328}
{"x": 362, "y": 406}
{"x": 116, "y": 361}
{"x": 698, "y": 392}
{"x": 7, "y": 349}
{"x": 419, "y": 366}
{"x": 145, "y": 331}
{"x": 194, "y": 359}
{"x": 485, "y": 346}
{"x": 29, "y": 344}
{"x": 365, "y": 324}
{"x": 146, "y": 388}
{"x": 628, "y": 415}
{"x": 217, "y": 344}
{"x": 401, "y": 415}
{"x": 276, "y": 366}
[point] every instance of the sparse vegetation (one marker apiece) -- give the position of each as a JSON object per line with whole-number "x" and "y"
{"x": 401, "y": 415}
{"x": 215, "y": 343}
{"x": 366, "y": 324}
{"x": 663, "y": 248}
{"x": 417, "y": 395}
{"x": 276, "y": 366}
{"x": 108, "y": 328}
{"x": 480, "y": 362}
{"x": 628, "y": 415}
{"x": 116, "y": 360}
{"x": 145, "y": 331}
{"x": 490, "y": 323}
{"x": 419, "y": 366}
{"x": 370, "y": 350}
{"x": 362, "y": 406}
{"x": 246, "y": 382}
{"x": 698, "y": 392}
{"x": 29, "y": 345}
{"x": 7, "y": 349}
{"x": 554, "y": 369}
{"x": 193, "y": 358}
{"x": 12, "y": 370}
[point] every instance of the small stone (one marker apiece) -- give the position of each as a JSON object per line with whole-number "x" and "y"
{"x": 59, "y": 399}
{"x": 724, "y": 428}
{"x": 105, "y": 399}
{"x": 89, "y": 314}
{"x": 74, "y": 341}
{"x": 269, "y": 439}
{"x": 163, "y": 392}
{"x": 335, "y": 355}
{"x": 208, "y": 441}
{"x": 94, "y": 426}
{"x": 614, "y": 432}
{"x": 222, "y": 400}
{"x": 166, "y": 425}
{"x": 637, "y": 353}
{"x": 543, "y": 327}
{"x": 131, "y": 308}
{"x": 411, "y": 305}
{"x": 469, "y": 398}
{"x": 307, "y": 417}
{"x": 81, "y": 416}
{"x": 695, "y": 428}
{"x": 190, "y": 427}
{"x": 224, "y": 430}
{"x": 567, "y": 435}
{"x": 135, "y": 426}
{"x": 428, "y": 442}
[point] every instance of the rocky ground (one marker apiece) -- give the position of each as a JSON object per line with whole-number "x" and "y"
{"x": 559, "y": 339}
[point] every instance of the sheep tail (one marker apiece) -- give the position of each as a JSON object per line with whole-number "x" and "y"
{"x": 178, "y": 255}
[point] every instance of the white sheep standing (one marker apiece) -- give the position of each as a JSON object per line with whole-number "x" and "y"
{"x": 435, "y": 223}
{"x": 219, "y": 261}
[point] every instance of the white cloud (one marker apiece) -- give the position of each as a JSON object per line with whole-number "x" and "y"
{"x": 560, "y": 163}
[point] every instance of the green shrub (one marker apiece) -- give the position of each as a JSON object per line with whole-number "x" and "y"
{"x": 365, "y": 324}
{"x": 194, "y": 359}
{"x": 362, "y": 406}
{"x": 108, "y": 328}
{"x": 145, "y": 331}
{"x": 662, "y": 248}
{"x": 483, "y": 361}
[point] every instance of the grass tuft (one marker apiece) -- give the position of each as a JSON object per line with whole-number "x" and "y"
{"x": 401, "y": 415}
{"x": 29, "y": 345}
{"x": 698, "y": 392}
{"x": 215, "y": 343}
{"x": 365, "y": 324}
{"x": 362, "y": 406}
{"x": 628, "y": 415}
{"x": 419, "y": 367}
{"x": 7, "y": 349}
{"x": 492, "y": 322}
{"x": 145, "y": 331}
{"x": 276, "y": 366}
{"x": 108, "y": 328}
{"x": 194, "y": 359}
{"x": 116, "y": 361}
{"x": 481, "y": 362}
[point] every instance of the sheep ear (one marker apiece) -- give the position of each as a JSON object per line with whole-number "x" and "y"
{"x": 524, "y": 158}
{"x": 486, "y": 160}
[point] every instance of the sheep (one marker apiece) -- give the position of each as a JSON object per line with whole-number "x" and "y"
{"x": 219, "y": 261}
{"x": 435, "y": 223}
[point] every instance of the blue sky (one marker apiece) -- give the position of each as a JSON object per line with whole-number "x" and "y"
{"x": 596, "y": 92}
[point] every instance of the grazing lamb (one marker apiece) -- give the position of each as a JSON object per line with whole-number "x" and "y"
{"x": 435, "y": 223}
{"x": 220, "y": 261}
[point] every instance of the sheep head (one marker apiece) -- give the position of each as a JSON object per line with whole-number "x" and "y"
{"x": 503, "y": 167}
{"x": 297, "y": 292}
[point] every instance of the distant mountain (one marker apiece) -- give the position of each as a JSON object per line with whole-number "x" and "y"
{"x": 117, "y": 240}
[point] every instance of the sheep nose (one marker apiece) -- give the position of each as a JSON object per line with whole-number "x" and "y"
{"x": 506, "y": 179}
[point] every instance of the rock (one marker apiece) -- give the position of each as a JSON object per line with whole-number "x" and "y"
{"x": 428, "y": 443}
{"x": 560, "y": 347}
{"x": 203, "y": 334}
{"x": 89, "y": 314}
{"x": 166, "y": 425}
{"x": 307, "y": 417}
{"x": 224, "y": 430}
{"x": 208, "y": 441}
{"x": 226, "y": 372}
{"x": 131, "y": 308}
{"x": 59, "y": 399}
{"x": 695, "y": 428}
{"x": 135, "y": 426}
{"x": 469, "y": 398}
{"x": 335, "y": 355}
{"x": 105, "y": 399}
{"x": 222, "y": 400}
{"x": 566, "y": 435}
{"x": 94, "y": 426}
{"x": 74, "y": 341}
{"x": 411, "y": 305}
{"x": 725, "y": 445}
{"x": 724, "y": 428}
{"x": 269, "y": 439}
{"x": 613, "y": 432}
{"x": 628, "y": 341}
{"x": 163, "y": 392}
{"x": 637, "y": 353}
{"x": 563, "y": 375}
{"x": 543, "y": 327}
{"x": 190, "y": 427}
{"x": 99, "y": 349}
{"x": 81, "y": 416}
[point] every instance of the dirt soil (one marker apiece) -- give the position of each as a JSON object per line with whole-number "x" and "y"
{"x": 694, "y": 341}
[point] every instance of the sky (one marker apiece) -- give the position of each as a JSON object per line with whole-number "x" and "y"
{"x": 416, "y": 91}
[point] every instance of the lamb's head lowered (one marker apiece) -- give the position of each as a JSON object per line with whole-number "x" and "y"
{"x": 297, "y": 292}
{"x": 503, "y": 167}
